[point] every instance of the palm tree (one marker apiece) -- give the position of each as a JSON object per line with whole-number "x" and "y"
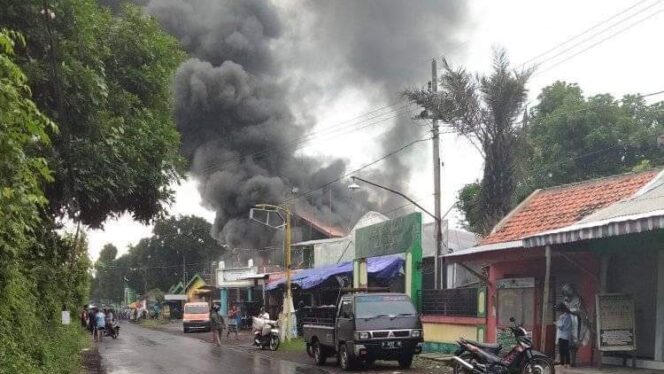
{"x": 484, "y": 108}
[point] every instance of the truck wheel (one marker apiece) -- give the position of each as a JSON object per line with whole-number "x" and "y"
{"x": 318, "y": 354}
{"x": 406, "y": 361}
{"x": 345, "y": 360}
{"x": 310, "y": 350}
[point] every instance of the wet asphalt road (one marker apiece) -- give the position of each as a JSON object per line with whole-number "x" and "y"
{"x": 143, "y": 351}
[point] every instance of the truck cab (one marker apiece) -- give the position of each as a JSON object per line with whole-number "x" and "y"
{"x": 365, "y": 327}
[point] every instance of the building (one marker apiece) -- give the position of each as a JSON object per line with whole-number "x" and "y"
{"x": 572, "y": 242}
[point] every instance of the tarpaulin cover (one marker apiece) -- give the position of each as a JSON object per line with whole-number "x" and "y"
{"x": 383, "y": 267}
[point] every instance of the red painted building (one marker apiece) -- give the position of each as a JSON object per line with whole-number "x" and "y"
{"x": 517, "y": 279}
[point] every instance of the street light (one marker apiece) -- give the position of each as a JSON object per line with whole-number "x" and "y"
{"x": 439, "y": 221}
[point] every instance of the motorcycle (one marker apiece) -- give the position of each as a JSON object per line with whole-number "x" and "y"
{"x": 266, "y": 334}
{"x": 113, "y": 330}
{"x": 476, "y": 358}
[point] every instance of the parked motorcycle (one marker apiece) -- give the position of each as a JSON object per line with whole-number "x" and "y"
{"x": 477, "y": 358}
{"x": 266, "y": 334}
{"x": 113, "y": 330}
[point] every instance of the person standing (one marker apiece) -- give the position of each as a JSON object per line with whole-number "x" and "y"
{"x": 84, "y": 317}
{"x": 216, "y": 325}
{"x": 233, "y": 321}
{"x": 564, "y": 334}
{"x": 91, "y": 321}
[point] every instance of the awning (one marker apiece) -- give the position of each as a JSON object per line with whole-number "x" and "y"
{"x": 600, "y": 229}
{"x": 383, "y": 267}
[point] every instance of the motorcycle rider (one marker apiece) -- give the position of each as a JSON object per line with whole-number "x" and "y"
{"x": 263, "y": 315}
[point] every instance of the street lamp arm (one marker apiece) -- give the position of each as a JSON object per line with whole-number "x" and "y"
{"x": 400, "y": 194}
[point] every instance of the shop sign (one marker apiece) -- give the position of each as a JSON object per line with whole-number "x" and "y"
{"x": 235, "y": 277}
{"x": 615, "y": 322}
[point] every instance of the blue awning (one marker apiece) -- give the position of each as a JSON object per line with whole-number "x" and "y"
{"x": 384, "y": 267}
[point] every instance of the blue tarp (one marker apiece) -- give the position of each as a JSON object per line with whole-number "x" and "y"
{"x": 383, "y": 267}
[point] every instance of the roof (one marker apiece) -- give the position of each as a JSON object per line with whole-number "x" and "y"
{"x": 556, "y": 207}
{"x": 456, "y": 239}
{"x": 643, "y": 211}
{"x": 330, "y": 230}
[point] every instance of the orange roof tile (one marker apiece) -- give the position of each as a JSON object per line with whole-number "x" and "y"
{"x": 556, "y": 207}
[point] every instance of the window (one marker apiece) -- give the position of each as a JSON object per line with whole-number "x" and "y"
{"x": 346, "y": 309}
{"x": 383, "y": 305}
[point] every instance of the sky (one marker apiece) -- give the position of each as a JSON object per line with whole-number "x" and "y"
{"x": 627, "y": 62}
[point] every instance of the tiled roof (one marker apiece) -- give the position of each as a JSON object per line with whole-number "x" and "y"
{"x": 556, "y": 207}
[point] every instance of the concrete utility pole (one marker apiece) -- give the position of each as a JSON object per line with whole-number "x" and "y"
{"x": 438, "y": 268}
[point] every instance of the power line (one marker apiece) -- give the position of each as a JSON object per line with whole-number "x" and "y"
{"x": 310, "y": 192}
{"x": 296, "y": 145}
{"x": 595, "y": 26}
{"x": 600, "y": 42}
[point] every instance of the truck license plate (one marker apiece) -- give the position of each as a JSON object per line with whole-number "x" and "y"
{"x": 392, "y": 345}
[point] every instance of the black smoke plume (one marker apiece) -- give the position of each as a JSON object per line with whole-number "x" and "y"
{"x": 234, "y": 106}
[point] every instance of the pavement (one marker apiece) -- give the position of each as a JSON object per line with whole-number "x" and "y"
{"x": 168, "y": 350}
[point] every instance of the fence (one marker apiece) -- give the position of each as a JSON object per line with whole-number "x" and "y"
{"x": 454, "y": 302}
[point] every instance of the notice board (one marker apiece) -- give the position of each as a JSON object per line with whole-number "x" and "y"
{"x": 615, "y": 322}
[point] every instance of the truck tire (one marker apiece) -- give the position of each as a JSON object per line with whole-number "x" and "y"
{"x": 310, "y": 350}
{"x": 346, "y": 361}
{"x": 406, "y": 361}
{"x": 318, "y": 354}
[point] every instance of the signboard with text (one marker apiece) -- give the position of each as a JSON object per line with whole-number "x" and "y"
{"x": 235, "y": 277}
{"x": 397, "y": 235}
{"x": 615, "y": 322}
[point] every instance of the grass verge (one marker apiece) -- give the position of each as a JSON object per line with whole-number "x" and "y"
{"x": 293, "y": 345}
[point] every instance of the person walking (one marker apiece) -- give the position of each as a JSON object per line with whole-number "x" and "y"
{"x": 100, "y": 326}
{"x": 564, "y": 334}
{"x": 216, "y": 325}
{"x": 233, "y": 321}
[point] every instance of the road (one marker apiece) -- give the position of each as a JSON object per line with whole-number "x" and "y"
{"x": 143, "y": 351}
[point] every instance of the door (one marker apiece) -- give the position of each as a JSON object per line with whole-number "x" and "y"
{"x": 345, "y": 320}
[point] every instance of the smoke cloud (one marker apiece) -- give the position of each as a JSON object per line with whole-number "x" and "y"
{"x": 235, "y": 104}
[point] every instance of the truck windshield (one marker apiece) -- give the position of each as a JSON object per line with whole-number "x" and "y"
{"x": 383, "y": 305}
{"x": 195, "y": 309}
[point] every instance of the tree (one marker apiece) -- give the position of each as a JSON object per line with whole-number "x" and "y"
{"x": 484, "y": 109}
{"x": 156, "y": 262}
{"x": 572, "y": 138}
{"x": 104, "y": 79}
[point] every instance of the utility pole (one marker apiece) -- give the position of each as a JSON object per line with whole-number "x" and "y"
{"x": 439, "y": 268}
{"x": 184, "y": 272}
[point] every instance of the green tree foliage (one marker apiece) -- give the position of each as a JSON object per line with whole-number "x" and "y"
{"x": 104, "y": 79}
{"x": 484, "y": 109}
{"x": 572, "y": 138}
{"x": 34, "y": 281}
{"x": 156, "y": 262}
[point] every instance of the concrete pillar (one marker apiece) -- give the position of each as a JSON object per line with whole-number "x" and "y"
{"x": 360, "y": 273}
{"x": 223, "y": 300}
{"x": 249, "y": 294}
{"x": 659, "y": 322}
